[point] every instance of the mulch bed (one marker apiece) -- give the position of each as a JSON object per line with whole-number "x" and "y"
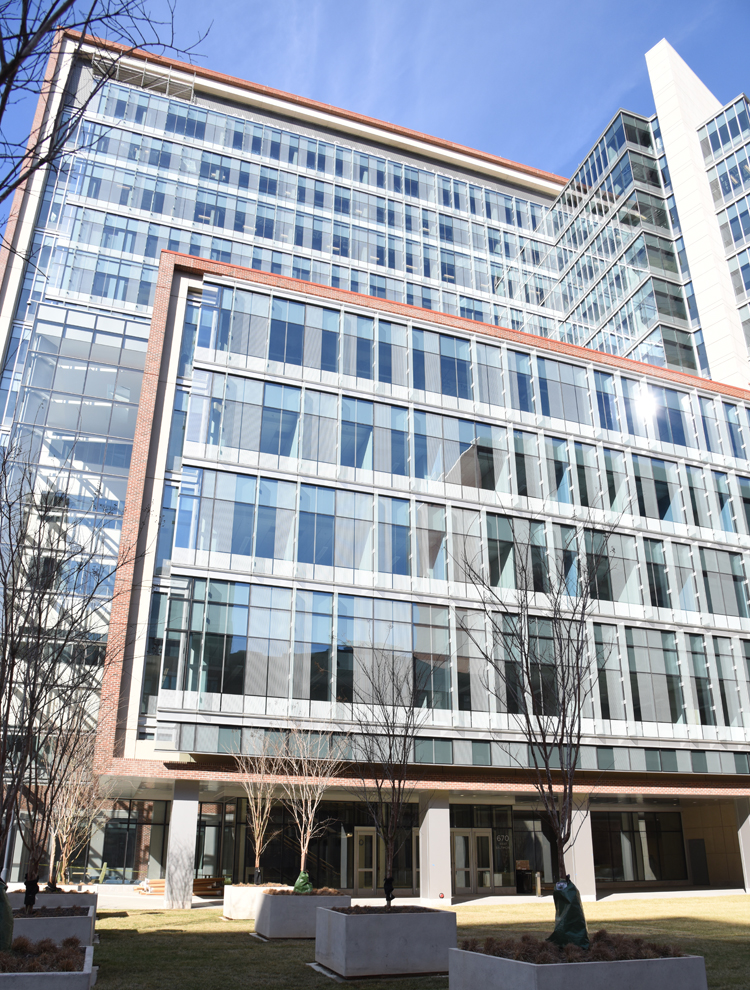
{"x": 384, "y": 910}
{"x": 604, "y": 948}
{"x": 48, "y": 912}
{"x": 43, "y": 956}
{"x": 316, "y": 891}
{"x": 260, "y": 886}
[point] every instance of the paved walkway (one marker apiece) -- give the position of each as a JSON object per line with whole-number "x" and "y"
{"x": 116, "y": 897}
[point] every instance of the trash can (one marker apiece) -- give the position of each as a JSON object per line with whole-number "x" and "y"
{"x": 524, "y": 882}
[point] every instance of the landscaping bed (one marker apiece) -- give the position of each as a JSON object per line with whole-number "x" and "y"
{"x": 379, "y": 909}
{"x": 56, "y": 898}
{"x": 241, "y": 900}
{"x": 613, "y": 962}
{"x": 43, "y": 965}
{"x": 315, "y": 892}
{"x": 294, "y": 916}
{"x": 57, "y": 924}
{"x": 74, "y": 911}
{"x": 375, "y": 941}
{"x": 43, "y": 957}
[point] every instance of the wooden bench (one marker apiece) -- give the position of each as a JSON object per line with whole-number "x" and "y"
{"x": 202, "y": 887}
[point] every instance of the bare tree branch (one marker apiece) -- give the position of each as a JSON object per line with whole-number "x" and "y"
{"x": 77, "y": 806}
{"x": 30, "y": 35}
{"x": 537, "y": 648}
{"x": 259, "y": 777}
{"x": 57, "y": 570}
{"x": 309, "y": 763}
{"x": 388, "y": 712}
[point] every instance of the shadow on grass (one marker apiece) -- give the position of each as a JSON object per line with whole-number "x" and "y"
{"x": 198, "y": 950}
{"x": 189, "y": 950}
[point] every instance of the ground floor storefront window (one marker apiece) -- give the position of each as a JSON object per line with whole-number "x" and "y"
{"x": 638, "y": 846}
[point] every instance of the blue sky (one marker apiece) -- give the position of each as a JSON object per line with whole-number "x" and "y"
{"x": 534, "y": 82}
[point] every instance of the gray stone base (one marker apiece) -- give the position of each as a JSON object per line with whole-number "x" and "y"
{"x": 472, "y": 970}
{"x": 293, "y": 915}
{"x": 53, "y": 981}
{"x": 384, "y": 944}
{"x": 241, "y": 903}
{"x": 58, "y": 929}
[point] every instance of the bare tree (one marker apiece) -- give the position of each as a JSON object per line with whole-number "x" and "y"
{"x": 57, "y": 570}
{"x": 309, "y": 764}
{"x": 259, "y": 777}
{"x": 539, "y": 657}
{"x": 388, "y": 711}
{"x": 77, "y": 808}
{"x": 30, "y": 32}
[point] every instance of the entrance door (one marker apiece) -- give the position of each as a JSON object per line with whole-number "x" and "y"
{"x": 462, "y": 880}
{"x": 472, "y": 861}
{"x": 365, "y": 880}
{"x": 482, "y": 861}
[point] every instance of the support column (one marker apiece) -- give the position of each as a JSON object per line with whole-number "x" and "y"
{"x": 435, "y": 847}
{"x": 579, "y": 856}
{"x": 742, "y": 809}
{"x": 183, "y": 825}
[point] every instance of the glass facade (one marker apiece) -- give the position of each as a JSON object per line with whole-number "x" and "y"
{"x": 330, "y": 463}
{"x": 285, "y": 472}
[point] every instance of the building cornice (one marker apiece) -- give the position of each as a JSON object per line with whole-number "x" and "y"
{"x": 357, "y": 126}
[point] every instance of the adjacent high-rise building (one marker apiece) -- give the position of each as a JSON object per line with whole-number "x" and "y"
{"x": 312, "y": 362}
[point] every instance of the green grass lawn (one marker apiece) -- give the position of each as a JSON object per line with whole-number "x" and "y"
{"x": 197, "y": 950}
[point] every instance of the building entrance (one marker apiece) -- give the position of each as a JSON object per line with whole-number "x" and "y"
{"x": 366, "y": 859}
{"x": 472, "y": 861}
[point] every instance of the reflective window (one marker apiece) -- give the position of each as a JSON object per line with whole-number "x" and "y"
{"x": 724, "y": 582}
{"x": 316, "y": 525}
{"x": 605, "y": 400}
{"x": 654, "y": 675}
{"x": 394, "y": 541}
{"x": 563, "y": 391}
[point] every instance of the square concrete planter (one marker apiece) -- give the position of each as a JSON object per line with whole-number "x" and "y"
{"x": 78, "y": 898}
{"x": 242, "y": 902}
{"x": 354, "y": 945}
{"x": 293, "y": 915}
{"x": 58, "y": 929}
{"x": 469, "y": 970}
{"x": 52, "y": 981}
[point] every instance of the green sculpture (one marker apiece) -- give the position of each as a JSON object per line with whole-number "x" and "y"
{"x": 303, "y": 884}
{"x": 6, "y": 919}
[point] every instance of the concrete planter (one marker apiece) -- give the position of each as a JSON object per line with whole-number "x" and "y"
{"x": 52, "y": 981}
{"x": 384, "y": 944}
{"x": 242, "y": 902}
{"x": 58, "y": 929}
{"x": 293, "y": 915}
{"x": 469, "y": 970}
{"x": 76, "y": 899}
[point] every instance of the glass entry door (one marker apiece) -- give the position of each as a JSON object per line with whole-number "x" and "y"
{"x": 483, "y": 861}
{"x": 472, "y": 861}
{"x": 462, "y": 862}
{"x": 366, "y": 862}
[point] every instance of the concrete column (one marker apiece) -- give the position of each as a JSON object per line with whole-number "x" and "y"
{"x": 183, "y": 824}
{"x": 579, "y": 856}
{"x": 435, "y": 847}
{"x": 742, "y": 809}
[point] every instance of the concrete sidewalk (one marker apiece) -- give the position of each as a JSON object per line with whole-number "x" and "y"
{"x": 124, "y": 898}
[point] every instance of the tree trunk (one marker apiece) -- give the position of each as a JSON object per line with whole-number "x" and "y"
{"x": 303, "y": 859}
{"x": 561, "y": 873}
